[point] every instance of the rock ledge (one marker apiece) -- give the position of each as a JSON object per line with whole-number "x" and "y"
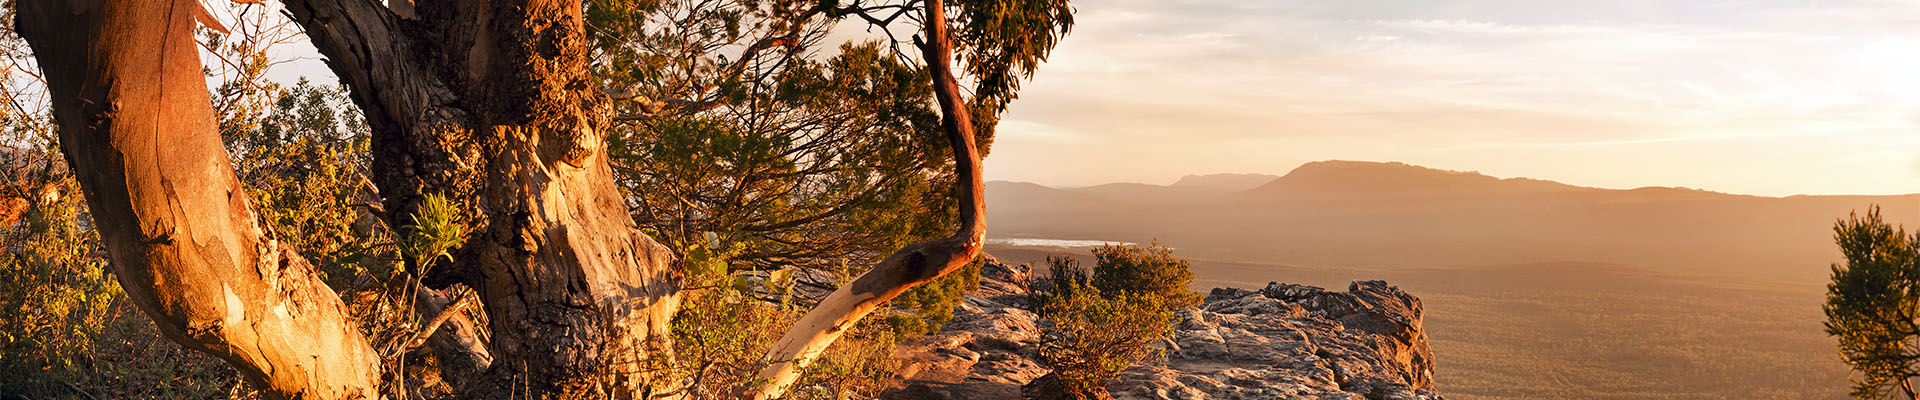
{"x": 1281, "y": 342}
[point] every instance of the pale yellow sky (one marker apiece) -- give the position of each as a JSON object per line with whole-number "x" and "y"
{"x": 1756, "y": 97}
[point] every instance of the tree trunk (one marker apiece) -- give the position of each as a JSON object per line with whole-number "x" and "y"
{"x": 490, "y": 104}
{"x": 910, "y": 266}
{"x": 186, "y": 244}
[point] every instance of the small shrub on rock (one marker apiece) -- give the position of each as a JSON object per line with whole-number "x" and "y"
{"x": 1103, "y": 321}
{"x": 1149, "y": 271}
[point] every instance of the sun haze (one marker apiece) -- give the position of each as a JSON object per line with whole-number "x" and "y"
{"x": 1752, "y": 97}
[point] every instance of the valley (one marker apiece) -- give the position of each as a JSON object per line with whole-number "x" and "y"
{"x": 1533, "y": 289}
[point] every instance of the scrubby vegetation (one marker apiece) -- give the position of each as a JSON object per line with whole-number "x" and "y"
{"x": 729, "y": 320}
{"x": 1103, "y": 320}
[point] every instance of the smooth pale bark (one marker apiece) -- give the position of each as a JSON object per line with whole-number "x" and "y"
{"x": 911, "y": 266}
{"x": 489, "y": 103}
{"x": 185, "y": 242}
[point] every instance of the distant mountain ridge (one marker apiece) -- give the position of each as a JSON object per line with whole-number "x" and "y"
{"x": 1604, "y": 293}
{"x": 1233, "y": 182}
{"x": 1390, "y": 214}
{"x": 1363, "y": 178}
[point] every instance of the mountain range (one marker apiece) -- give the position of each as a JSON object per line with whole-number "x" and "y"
{"x": 1534, "y": 289}
{"x": 1389, "y": 214}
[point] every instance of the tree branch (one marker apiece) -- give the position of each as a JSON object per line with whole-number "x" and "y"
{"x": 370, "y": 53}
{"x": 910, "y": 266}
{"x": 137, "y": 126}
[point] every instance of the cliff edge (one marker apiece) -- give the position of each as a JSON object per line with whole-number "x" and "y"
{"x": 1280, "y": 342}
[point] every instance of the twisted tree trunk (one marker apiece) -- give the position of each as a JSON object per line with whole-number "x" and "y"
{"x": 490, "y": 104}
{"x": 186, "y": 244}
{"x": 487, "y": 103}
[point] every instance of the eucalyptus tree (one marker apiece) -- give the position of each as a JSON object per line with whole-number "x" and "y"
{"x": 492, "y": 103}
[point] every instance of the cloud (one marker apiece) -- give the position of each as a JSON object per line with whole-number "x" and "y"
{"x": 1304, "y": 80}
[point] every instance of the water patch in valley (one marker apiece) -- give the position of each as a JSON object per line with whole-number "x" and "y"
{"x": 1060, "y": 243}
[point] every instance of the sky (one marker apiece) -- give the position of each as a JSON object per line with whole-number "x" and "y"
{"x": 1751, "y": 97}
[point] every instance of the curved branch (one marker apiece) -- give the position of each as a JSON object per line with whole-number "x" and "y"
{"x": 371, "y": 53}
{"x": 910, "y": 266}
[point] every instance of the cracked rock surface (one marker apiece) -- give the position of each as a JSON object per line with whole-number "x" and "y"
{"x": 1281, "y": 342}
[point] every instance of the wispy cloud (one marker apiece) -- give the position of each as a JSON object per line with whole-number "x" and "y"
{"x": 1216, "y": 85}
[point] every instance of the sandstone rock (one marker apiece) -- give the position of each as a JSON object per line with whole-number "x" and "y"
{"x": 1293, "y": 342}
{"x": 1280, "y": 342}
{"x": 1048, "y": 387}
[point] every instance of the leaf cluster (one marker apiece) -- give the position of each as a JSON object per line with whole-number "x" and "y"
{"x": 1873, "y": 302}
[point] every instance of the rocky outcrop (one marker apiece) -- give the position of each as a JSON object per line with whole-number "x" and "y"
{"x": 986, "y": 352}
{"x": 1281, "y": 342}
{"x": 1293, "y": 342}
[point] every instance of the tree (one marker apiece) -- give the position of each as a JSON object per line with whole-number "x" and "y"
{"x": 488, "y": 103}
{"x": 1873, "y": 302}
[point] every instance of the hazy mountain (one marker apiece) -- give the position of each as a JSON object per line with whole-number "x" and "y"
{"x": 1349, "y": 213}
{"x": 1373, "y": 181}
{"x": 1149, "y": 194}
{"x": 1227, "y": 182}
{"x": 1533, "y": 288}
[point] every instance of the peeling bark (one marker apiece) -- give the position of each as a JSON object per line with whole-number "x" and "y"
{"x": 489, "y": 103}
{"x": 186, "y": 244}
{"x": 911, "y": 266}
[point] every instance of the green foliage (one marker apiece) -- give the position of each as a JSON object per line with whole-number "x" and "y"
{"x": 436, "y": 229}
{"x": 302, "y": 160}
{"x": 1003, "y": 41}
{"x": 728, "y": 320}
{"x": 925, "y": 308}
{"x": 835, "y": 165}
{"x": 831, "y": 167}
{"x": 816, "y": 163}
{"x": 69, "y": 331}
{"x": 1096, "y": 333}
{"x": 57, "y": 293}
{"x": 1151, "y": 271}
{"x": 719, "y": 336}
{"x": 1873, "y": 302}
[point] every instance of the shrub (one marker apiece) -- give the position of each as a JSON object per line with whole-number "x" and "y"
{"x": 69, "y": 331}
{"x": 728, "y": 320}
{"x": 57, "y": 295}
{"x": 1097, "y": 331}
{"x": 1151, "y": 271}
